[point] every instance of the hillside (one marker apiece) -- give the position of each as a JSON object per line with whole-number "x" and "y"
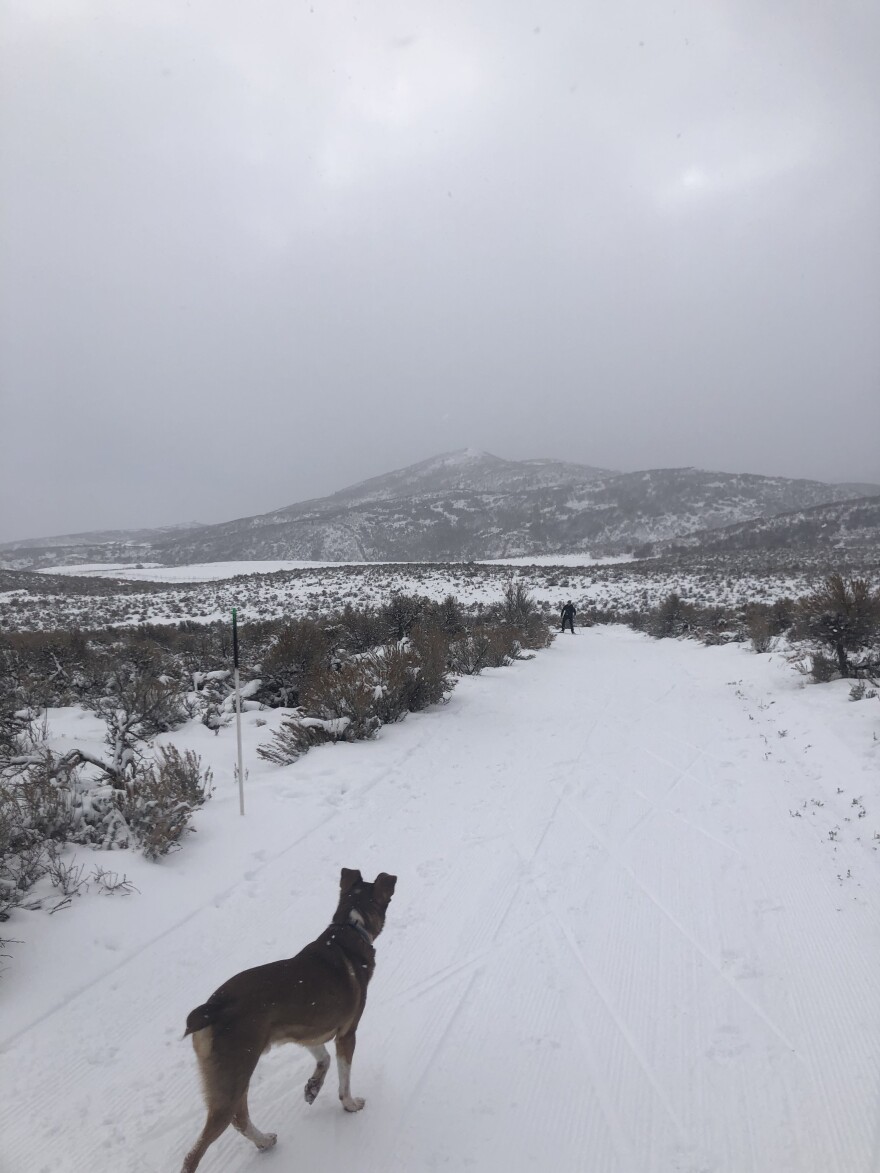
{"x": 485, "y": 508}
{"x": 465, "y": 505}
{"x": 841, "y": 525}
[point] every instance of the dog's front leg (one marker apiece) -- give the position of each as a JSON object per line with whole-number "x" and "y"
{"x": 344, "y": 1055}
{"x": 322, "y": 1065}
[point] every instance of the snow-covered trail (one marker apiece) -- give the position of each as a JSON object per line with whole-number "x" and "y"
{"x": 612, "y": 947}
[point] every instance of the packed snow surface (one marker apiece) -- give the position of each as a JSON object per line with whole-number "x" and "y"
{"x": 635, "y": 931}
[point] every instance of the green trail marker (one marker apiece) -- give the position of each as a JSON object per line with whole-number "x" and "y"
{"x": 237, "y": 709}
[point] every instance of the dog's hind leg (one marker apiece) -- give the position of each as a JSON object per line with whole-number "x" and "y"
{"x": 216, "y": 1124}
{"x": 344, "y": 1055}
{"x": 242, "y": 1121}
{"x": 316, "y": 1080}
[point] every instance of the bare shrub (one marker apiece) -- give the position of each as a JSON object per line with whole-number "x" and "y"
{"x": 517, "y": 604}
{"x": 409, "y": 676}
{"x": 353, "y": 699}
{"x": 110, "y": 884}
{"x": 401, "y": 613}
{"x": 842, "y": 617}
{"x": 346, "y": 691}
{"x": 759, "y": 628}
{"x": 431, "y": 646}
{"x": 361, "y": 628}
{"x": 44, "y": 801}
{"x": 22, "y": 854}
{"x": 535, "y": 633}
{"x": 448, "y": 616}
{"x": 69, "y": 878}
{"x": 34, "y": 814}
{"x": 781, "y": 615}
{"x": 297, "y": 735}
{"x": 484, "y": 647}
{"x": 822, "y": 668}
{"x": 392, "y": 671}
{"x": 138, "y": 702}
{"x": 670, "y": 618}
{"x": 469, "y": 655}
{"x": 159, "y": 801}
{"x": 299, "y": 648}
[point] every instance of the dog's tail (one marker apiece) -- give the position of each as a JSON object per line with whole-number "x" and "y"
{"x": 204, "y": 1015}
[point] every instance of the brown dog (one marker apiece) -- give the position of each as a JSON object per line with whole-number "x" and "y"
{"x": 309, "y": 999}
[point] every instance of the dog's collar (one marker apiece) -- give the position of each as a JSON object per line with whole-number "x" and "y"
{"x": 359, "y": 929}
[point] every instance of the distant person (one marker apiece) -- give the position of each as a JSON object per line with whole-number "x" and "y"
{"x": 568, "y": 614}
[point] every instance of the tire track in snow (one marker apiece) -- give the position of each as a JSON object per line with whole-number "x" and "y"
{"x": 428, "y": 1054}
{"x": 835, "y": 1048}
{"x": 824, "y": 1016}
{"x": 670, "y": 916}
{"x": 612, "y": 1120}
{"x": 598, "y": 1080}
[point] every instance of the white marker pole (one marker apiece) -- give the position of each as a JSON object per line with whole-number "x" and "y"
{"x": 237, "y": 710}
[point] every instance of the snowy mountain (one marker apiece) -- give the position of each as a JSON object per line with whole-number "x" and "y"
{"x": 844, "y": 525}
{"x": 106, "y": 537}
{"x": 116, "y": 545}
{"x": 471, "y": 470}
{"x": 468, "y": 505}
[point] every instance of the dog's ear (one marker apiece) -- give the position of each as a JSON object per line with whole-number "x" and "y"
{"x": 348, "y": 878}
{"x": 383, "y": 887}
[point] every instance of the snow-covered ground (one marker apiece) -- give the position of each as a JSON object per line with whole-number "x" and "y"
{"x": 197, "y": 572}
{"x": 636, "y": 930}
{"x": 268, "y": 590}
{"x": 212, "y": 571}
{"x": 557, "y": 560}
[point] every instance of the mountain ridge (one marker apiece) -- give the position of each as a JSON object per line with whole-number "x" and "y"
{"x": 465, "y": 505}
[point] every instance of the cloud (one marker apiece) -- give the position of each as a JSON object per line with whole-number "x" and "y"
{"x": 253, "y": 253}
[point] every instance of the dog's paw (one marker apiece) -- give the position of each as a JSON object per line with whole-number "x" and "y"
{"x": 353, "y": 1104}
{"x": 267, "y": 1141}
{"x": 312, "y": 1088}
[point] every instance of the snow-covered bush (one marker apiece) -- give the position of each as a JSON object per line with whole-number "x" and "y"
{"x": 349, "y": 690}
{"x": 840, "y": 619}
{"x": 401, "y": 613}
{"x": 298, "y": 734}
{"x": 47, "y": 801}
{"x": 360, "y": 628}
{"x": 352, "y": 699}
{"x": 448, "y": 615}
{"x": 670, "y": 618}
{"x": 517, "y": 605}
{"x": 23, "y": 856}
{"x": 297, "y": 649}
{"x": 483, "y": 647}
{"x": 159, "y": 801}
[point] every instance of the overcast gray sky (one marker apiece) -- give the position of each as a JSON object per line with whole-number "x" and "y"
{"x": 251, "y": 253}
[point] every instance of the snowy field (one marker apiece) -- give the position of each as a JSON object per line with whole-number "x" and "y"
{"x": 635, "y": 931}
{"x": 557, "y": 560}
{"x": 198, "y": 572}
{"x": 86, "y": 597}
{"x": 209, "y": 571}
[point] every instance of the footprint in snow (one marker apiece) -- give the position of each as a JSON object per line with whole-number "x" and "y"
{"x": 727, "y": 1045}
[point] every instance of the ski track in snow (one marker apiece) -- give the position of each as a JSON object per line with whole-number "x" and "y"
{"x": 614, "y": 945}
